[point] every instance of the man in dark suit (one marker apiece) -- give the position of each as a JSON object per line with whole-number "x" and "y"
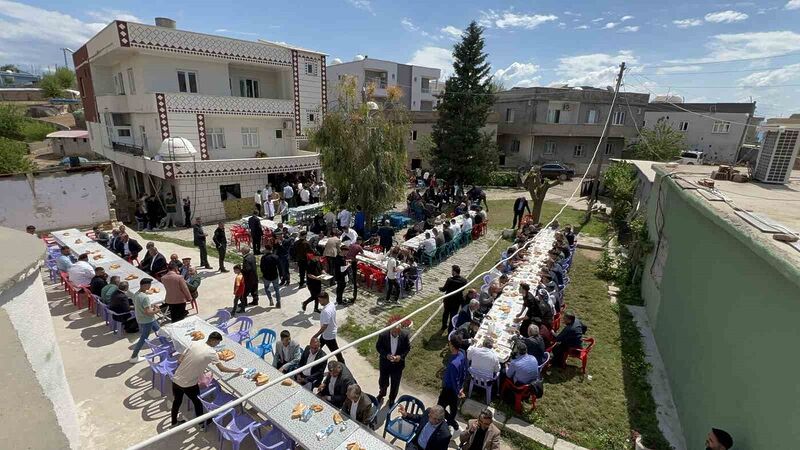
{"x": 127, "y": 247}
{"x": 311, "y": 378}
{"x": 221, "y": 243}
{"x": 468, "y": 312}
{"x": 153, "y": 261}
{"x": 250, "y": 272}
{"x": 432, "y": 433}
{"x": 452, "y": 302}
{"x": 520, "y": 205}
{"x": 392, "y": 346}
{"x": 334, "y": 387}
{"x": 535, "y": 343}
{"x": 569, "y": 337}
{"x": 200, "y": 241}
{"x": 256, "y": 232}
{"x": 357, "y": 405}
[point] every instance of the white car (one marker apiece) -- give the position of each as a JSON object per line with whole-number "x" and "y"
{"x": 692, "y": 158}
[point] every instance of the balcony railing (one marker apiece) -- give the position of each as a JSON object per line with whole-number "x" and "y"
{"x": 217, "y": 104}
{"x": 130, "y": 149}
{"x": 379, "y": 83}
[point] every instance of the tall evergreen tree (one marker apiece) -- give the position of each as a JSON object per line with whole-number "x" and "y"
{"x": 462, "y": 153}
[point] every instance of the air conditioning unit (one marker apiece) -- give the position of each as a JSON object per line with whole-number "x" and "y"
{"x": 565, "y": 107}
{"x": 287, "y": 124}
{"x": 777, "y": 155}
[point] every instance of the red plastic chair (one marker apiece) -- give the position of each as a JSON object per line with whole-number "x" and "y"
{"x": 374, "y": 248}
{"x": 582, "y": 353}
{"x": 193, "y": 304}
{"x": 89, "y": 298}
{"x": 520, "y": 393}
{"x": 557, "y": 322}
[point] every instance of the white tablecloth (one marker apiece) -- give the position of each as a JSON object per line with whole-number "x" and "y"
{"x": 266, "y": 223}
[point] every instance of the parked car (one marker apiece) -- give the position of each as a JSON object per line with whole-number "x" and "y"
{"x": 557, "y": 171}
{"x": 692, "y": 157}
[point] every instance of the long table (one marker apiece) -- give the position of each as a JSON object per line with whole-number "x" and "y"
{"x": 416, "y": 240}
{"x": 266, "y": 223}
{"x": 305, "y": 210}
{"x": 276, "y": 403}
{"x": 79, "y": 243}
{"x": 499, "y": 321}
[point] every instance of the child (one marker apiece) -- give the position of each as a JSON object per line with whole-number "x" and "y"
{"x": 238, "y": 290}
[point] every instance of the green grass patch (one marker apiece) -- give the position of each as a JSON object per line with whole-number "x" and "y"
{"x": 230, "y": 256}
{"x": 501, "y": 217}
{"x": 35, "y": 130}
{"x": 518, "y": 441}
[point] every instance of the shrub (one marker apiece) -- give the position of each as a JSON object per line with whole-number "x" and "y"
{"x": 11, "y": 122}
{"x": 14, "y": 157}
{"x": 505, "y": 179}
{"x": 35, "y": 130}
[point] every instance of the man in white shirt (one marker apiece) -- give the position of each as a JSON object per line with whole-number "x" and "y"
{"x": 283, "y": 210}
{"x": 483, "y": 359}
{"x": 392, "y": 284}
{"x": 454, "y": 228}
{"x": 315, "y": 193}
{"x": 467, "y": 224}
{"x": 81, "y": 273}
{"x": 288, "y": 193}
{"x": 305, "y": 196}
{"x": 258, "y": 201}
{"x": 344, "y": 217}
{"x": 328, "y": 327}
{"x": 350, "y": 233}
{"x": 191, "y": 365}
{"x": 428, "y": 246}
{"x": 312, "y": 376}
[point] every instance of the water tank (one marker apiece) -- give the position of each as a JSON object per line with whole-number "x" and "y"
{"x": 177, "y": 149}
{"x": 165, "y": 22}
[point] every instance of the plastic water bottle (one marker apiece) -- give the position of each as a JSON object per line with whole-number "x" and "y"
{"x": 329, "y": 430}
{"x": 307, "y": 413}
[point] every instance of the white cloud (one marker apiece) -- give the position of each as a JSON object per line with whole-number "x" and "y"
{"x": 686, "y": 23}
{"x": 358, "y": 57}
{"x": 366, "y": 5}
{"x": 582, "y": 27}
{"x": 451, "y": 31}
{"x": 629, "y": 29}
{"x": 518, "y": 74}
{"x": 724, "y": 47}
{"x": 770, "y": 77}
{"x": 408, "y": 25}
{"x": 510, "y": 19}
{"x": 437, "y": 57}
{"x": 792, "y": 4}
{"x": 609, "y": 25}
{"x": 599, "y": 19}
{"x": 597, "y": 69}
{"x": 668, "y": 70}
{"x": 107, "y": 15}
{"x": 570, "y": 13}
{"x": 33, "y": 35}
{"x": 728, "y": 16}
{"x": 336, "y": 61}
{"x": 624, "y": 18}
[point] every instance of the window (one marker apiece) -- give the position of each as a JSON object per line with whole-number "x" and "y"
{"x": 311, "y": 68}
{"x": 248, "y": 88}
{"x": 413, "y": 135}
{"x": 121, "y": 119}
{"x": 230, "y": 191}
{"x": 721, "y": 126}
{"x": 553, "y": 116}
{"x": 609, "y": 148}
{"x": 250, "y": 138}
{"x": 577, "y": 152}
{"x": 119, "y": 85}
{"x": 217, "y": 138}
{"x": 619, "y": 118}
{"x": 131, "y": 83}
{"x": 187, "y": 81}
{"x": 311, "y": 117}
{"x": 124, "y": 132}
{"x": 592, "y": 116}
{"x": 514, "y": 146}
{"x": 683, "y": 126}
{"x": 502, "y": 160}
{"x": 549, "y": 148}
{"x": 109, "y": 127}
{"x": 509, "y": 115}
{"x": 143, "y": 137}
{"x": 278, "y": 134}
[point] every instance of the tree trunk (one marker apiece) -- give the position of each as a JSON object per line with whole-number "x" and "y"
{"x": 536, "y": 211}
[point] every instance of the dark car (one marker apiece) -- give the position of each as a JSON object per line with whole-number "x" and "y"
{"x": 557, "y": 171}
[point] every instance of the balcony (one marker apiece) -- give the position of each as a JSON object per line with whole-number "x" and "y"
{"x": 432, "y": 87}
{"x": 379, "y": 83}
{"x": 135, "y": 150}
{"x": 228, "y": 105}
{"x": 300, "y": 162}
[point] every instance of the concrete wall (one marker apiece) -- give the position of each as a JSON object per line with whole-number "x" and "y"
{"x": 310, "y": 92}
{"x": 206, "y": 199}
{"x": 71, "y": 147}
{"x": 268, "y": 143}
{"x": 53, "y": 201}
{"x": 534, "y": 150}
{"x": 724, "y": 313}
{"x": 719, "y": 147}
{"x": 38, "y": 409}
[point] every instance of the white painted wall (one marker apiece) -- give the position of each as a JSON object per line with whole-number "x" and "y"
{"x": 718, "y": 147}
{"x": 71, "y": 147}
{"x": 266, "y": 137}
{"x": 205, "y": 196}
{"x": 417, "y": 73}
{"x": 53, "y": 201}
{"x": 310, "y": 92}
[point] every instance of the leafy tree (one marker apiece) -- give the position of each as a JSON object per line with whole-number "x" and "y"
{"x": 10, "y": 122}
{"x": 662, "y": 143}
{"x": 11, "y": 67}
{"x": 53, "y": 84}
{"x": 537, "y": 187}
{"x": 14, "y": 157}
{"x": 620, "y": 182}
{"x": 463, "y": 152}
{"x": 362, "y": 151}
{"x": 66, "y": 77}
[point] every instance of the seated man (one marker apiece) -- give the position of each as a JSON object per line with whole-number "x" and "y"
{"x": 312, "y": 376}
{"x": 497, "y": 285}
{"x": 65, "y": 260}
{"x": 121, "y": 304}
{"x": 483, "y": 359}
{"x": 109, "y": 289}
{"x": 481, "y": 433}
{"x": 100, "y": 236}
{"x": 570, "y": 337}
{"x": 334, "y": 387}
{"x": 153, "y": 262}
{"x": 524, "y": 369}
{"x": 469, "y": 312}
{"x": 287, "y": 353}
{"x": 126, "y": 247}
{"x": 433, "y": 432}
{"x": 357, "y": 405}
{"x": 467, "y": 332}
{"x": 193, "y": 282}
{"x": 428, "y": 245}
{"x": 534, "y": 343}
{"x": 81, "y": 273}
{"x": 98, "y": 281}
{"x": 173, "y": 259}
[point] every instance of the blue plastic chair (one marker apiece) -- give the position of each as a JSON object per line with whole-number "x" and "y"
{"x": 214, "y": 397}
{"x": 233, "y": 427}
{"x": 376, "y": 407}
{"x": 243, "y": 333}
{"x": 398, "y": 427}
{"x": 267, "y": 338}
{"x": 272, "y": 440}
{"x": 428, "y": 258}
{"x": 222, "y": 316}
{"x": 162, "y": 367}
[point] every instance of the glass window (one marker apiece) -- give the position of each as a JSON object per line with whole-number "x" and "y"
{"x": 217, "y": 138}
{"x": 502, "y": 160}
{"x": 230, "y": 191}
{"x": 592, "y": 116}
{"x": 413, "y": 135}
{"x": 577, "y": 152}
{"x": 721, "y": 126}
{"x": 131, "y": 83}
{"x": 187, "y": 81}
{"x": 609, "y": 148}
{"x": 683, "y": 126}
{"x": 119, "y": 84}
{"x": 248, "y": 88}
{"x": 549, "y": 148}
{"x": 619, "y": 118}
{"x": 250, "y": 138}
{"x": 509, "y": 115}
{"x": 553, "y": 116}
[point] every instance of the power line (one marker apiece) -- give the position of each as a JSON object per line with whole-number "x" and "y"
{"x": 763, "y": 69}
{"x": 700, "y": 63}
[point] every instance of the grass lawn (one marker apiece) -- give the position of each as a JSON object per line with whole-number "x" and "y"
{"x": 501, "y": 217}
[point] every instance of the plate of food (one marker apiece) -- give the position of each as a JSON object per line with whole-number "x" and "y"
{"x": 114, "y": 266}
{"x": 297, "y": 411}
{"x": 317, "y": 407}
{"x": 96, "y": 257}
{"x": 197, "y": 335}
{"x": 226, "y": 354}
{"x": 260, "y": 378}
{"x": 78, "y": 241}
{"x": 153, "y": 290}
{"x": 355, "y": 446}
{"x": 131, "y": 277}
{"x": 287, "y": 382}
{"x": 337, "y": 418}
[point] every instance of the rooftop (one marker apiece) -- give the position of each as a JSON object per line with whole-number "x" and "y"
{"x": 745, "y": 108}
{"x": 69, "y": 134}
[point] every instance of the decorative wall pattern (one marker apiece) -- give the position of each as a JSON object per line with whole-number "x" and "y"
{"x": 176, "y": 41}
{"x": 228, "y": 167}
{"x": 228, "y": 105}
{"x": 122, "y": 32}
{"x": 201, "y": 135}
{"x": 324, "y": 80}
{"x": 169, "y": 171}
{"x": 163, "y": 120}
{"x": 296, "y": 96}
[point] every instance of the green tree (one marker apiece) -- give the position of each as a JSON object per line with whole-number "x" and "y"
{"x": 11, "y": 120}
{"x": 362, "y": 150}
{"x": 14, "y": 157}
{"x": 463, "y": 153}
{"x": 53, "y": 84}
{"x": 619, "y": 182}
{"x": 662, "y": 143}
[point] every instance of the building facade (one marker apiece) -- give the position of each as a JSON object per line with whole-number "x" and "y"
{"x": 244, "y": 106}
{"x": 540, "y": 124}
{"x": 421, "y": 128}
{"x": 420, "y": 85}
{"x": 717, "y": 129}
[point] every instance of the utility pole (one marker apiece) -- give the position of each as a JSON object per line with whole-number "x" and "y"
{"x": 603, "y": 137}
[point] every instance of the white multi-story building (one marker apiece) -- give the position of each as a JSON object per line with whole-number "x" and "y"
{"x": 245, "y": 106}
{"x": 420, "y": 85}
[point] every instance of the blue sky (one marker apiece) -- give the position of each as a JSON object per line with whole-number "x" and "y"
{"x": 529, "y": 42}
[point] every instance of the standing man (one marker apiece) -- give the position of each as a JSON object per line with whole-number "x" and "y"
{"x": 200, "y": 242}
{"x": 305, "y": 196}
{"x": 481, "y": 433}
{"x": 360, "y": 221}
{"x": 145, "y": 317}
{"x": 452, "y": 302}
{"x": 453, "y": 381}
{"x": 520, "y": 205}
{"x": 328, "y": 327}
{"x": 386, "y": 235}
{"x": 257, "y": 201}
{"x": 393, "y": 347}
{"x": 283, "y": 209}
{"x": 301, "y": 251}
{"x": 221, "y": 243}
{"x": 171, "y": 205}
{"x": 288, "y": 194}
{"x": 392, "y": 284}
{"x": 187, "y": 212}
{"x": 254, "y": 223}
{"x": 177, "y": 293}
{"x": 353, "y": 250}
{"x": 270, "y": 271}
{"x": 344, "y": 217}
{"x": 191, "y": 365}
{"x": 283, "y": 244}
{"x": 332, "y": 250}
{"x": 250, "y": 274}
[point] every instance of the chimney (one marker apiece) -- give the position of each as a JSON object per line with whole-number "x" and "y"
{"x": 165, "y": 22}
